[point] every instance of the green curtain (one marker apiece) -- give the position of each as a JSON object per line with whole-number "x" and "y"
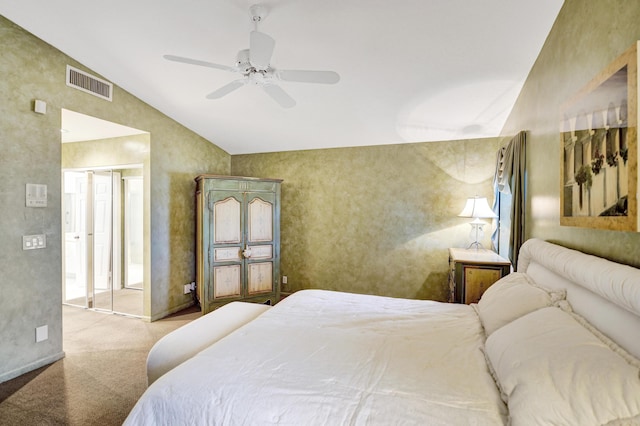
{"x": 510, "y": 178}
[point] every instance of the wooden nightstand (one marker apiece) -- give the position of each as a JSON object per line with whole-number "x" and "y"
{"x": 472, "y": 271}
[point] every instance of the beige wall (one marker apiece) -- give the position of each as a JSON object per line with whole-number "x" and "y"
{"x": 30, "y": 281}
{"x": 375, "y": 220}
{"x": 586, "y": 37}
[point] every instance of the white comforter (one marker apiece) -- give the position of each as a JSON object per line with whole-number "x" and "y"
{"x": 329, "y": 358}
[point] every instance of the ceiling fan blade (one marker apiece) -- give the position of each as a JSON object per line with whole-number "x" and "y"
{"x": 226, "y": 89}
{"x": 198, "y": 62}
{"x": 260, "y": 49}
{"x": 279, "y": 95}
{"x": 323, "y": 77}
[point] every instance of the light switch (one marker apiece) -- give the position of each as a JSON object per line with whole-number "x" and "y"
{"x": 36, "y": 195}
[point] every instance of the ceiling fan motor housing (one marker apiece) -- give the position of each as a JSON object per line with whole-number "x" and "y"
{"x": 257, "y": 12}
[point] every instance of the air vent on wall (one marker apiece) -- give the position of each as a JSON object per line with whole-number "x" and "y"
{"x": 87, "y": 83}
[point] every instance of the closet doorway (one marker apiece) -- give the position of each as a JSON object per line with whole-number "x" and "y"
{"x": 102, "y": 248}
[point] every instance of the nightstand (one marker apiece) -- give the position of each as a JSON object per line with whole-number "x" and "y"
{"x": 473, "y": 271}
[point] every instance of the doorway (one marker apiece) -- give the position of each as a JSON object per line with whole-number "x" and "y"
{"x": 105, "y": 205}
{"x": 93, "y": 213}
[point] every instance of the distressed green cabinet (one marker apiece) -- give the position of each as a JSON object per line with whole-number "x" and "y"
{"x": 238, "y": 240}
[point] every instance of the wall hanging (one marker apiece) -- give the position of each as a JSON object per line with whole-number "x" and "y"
{"x": 598, "y": 136}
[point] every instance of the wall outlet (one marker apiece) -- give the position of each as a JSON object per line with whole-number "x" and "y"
{"x": 284, "y": 279}
{"x": 187, "y": 288}
{"x": 42, "y": 333}
{"x": 32, "y": 242}
{"x": 39, "y": 106}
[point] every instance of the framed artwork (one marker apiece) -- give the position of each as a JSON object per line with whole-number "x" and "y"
{"x": 599, "y": 150}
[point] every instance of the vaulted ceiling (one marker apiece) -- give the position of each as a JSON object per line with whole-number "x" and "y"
{"x": 410, "y": 70}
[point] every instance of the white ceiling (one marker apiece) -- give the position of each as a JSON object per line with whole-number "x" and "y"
{"x": 411, "y": 70}
{"x": 78, "y": 127}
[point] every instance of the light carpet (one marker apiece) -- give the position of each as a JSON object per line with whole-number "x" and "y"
{"x": 101, "y": 377}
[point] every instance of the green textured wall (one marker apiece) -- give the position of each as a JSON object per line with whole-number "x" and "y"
{"x": 375, "y": 220}
{"x": 31, "y": 281}
{"x": 176, "y": 159}
{"x": 585, "y": 38}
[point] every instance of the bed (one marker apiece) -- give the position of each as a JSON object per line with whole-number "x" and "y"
{"x": 557, "y": 342}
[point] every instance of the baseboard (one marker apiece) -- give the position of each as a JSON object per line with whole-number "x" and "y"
{"x": 170, "y": 311}
{"x": 30, "y": 367}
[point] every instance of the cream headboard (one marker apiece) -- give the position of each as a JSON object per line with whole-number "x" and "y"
{"x": 605, "y": 293}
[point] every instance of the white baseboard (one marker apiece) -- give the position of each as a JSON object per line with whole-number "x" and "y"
{"x": 30, "y": 367}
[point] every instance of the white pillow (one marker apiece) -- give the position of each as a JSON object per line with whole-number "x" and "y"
{"x": 510, "y": 298}
{"x": 552, "y": 370}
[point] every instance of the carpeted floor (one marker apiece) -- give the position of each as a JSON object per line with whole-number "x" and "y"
{"x": 99, "y": 380}
{"x": 126, "y": 301}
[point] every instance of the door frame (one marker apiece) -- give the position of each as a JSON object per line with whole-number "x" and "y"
{"x": 116, "y": 231}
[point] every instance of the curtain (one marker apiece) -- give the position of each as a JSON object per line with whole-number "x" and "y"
{"x": 499, "y": 189}
{"x": 510, "y": 178}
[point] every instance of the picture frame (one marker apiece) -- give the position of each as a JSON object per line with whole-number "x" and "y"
{"x": 599, "y": 150}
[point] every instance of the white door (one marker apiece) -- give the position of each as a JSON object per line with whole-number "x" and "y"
{"x": 133, "y": 232}
{"x": 87, "y": 221}
{"x": 74, "y": 289}
{"x": 102, "y": 244}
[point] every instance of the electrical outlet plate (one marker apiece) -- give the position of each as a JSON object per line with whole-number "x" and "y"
{"x": 42, "y": 333}
{"x": 187, "y": 288}
{"x": 32, "y": 242}
{"x": 40, "y": 106}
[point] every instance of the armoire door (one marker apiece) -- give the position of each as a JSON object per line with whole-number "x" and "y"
{"x": 260, "y": 241}
{"x": 226, "y": 241}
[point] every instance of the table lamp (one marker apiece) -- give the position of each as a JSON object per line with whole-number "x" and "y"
{"x": 477, "y": 208}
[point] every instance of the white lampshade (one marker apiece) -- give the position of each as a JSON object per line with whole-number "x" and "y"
{"x": 477, "y": 207}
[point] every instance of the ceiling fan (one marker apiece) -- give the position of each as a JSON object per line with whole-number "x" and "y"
{"x": 254, "y": 65}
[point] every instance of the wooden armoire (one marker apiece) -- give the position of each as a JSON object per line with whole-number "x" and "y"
{"x": 238, "y": 240}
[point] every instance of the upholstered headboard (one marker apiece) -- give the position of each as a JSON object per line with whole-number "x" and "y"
{"x": 605, "y": 293}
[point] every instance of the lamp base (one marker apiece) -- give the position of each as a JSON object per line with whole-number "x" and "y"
{"x": 476, "y": 245}
{"x": 477, "y": 232}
